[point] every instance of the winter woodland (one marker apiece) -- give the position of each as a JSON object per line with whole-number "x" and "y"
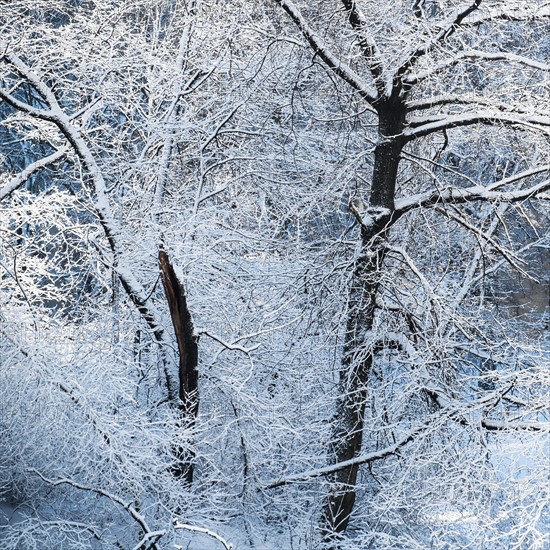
{"x": 274, "y": 274}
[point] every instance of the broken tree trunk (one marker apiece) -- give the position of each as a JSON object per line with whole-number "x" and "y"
{"x": 188, "y": 404}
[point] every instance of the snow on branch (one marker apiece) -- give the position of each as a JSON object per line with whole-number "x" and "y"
{"x": 459, "y": 412}
{"x": 454, "y": 411}
{"x": 24, "y": 70}
{"x": 56, "y": 115}
{"x": 367, "y": 43}
{"x": 436, "y": 101}
{"x": 321, "y": 48}
{"x": 415, "y": 270}
{"x": 458, "y": 196}
{"x": 449, "y": 28}
{"x": 150, "y": 539}
{"x": 23, "y": 176}
{"x": 229, "y": 346}
{"x": 425, "y": 126}
{"x": 476, "y": 54}
{"x": 519, "y": 10}
{"x": 361, "y": 459}
{"x": 452, "y": 195}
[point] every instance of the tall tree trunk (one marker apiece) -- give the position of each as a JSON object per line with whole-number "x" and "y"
{"x": 358, "y": 354}
{"x": 188, "y": 404}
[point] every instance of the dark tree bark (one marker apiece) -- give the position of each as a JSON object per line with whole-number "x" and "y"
{"x": 358, "y": 357}
{"x": 188, "y": 359}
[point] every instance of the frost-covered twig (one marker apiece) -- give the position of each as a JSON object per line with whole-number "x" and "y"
{"x": 229, "y": 346}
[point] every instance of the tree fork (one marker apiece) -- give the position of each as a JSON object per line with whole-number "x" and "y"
{"x": 188, "y": 404}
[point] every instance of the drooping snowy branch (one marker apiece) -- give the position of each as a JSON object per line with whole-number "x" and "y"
{"x": 130, "y": 508}
{"x": 205, "y": 531}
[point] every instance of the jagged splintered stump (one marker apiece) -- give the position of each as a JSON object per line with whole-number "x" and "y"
{"x": 188, "y": 402}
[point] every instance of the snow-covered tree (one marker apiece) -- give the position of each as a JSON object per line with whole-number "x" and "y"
{"x": 337, "y": 202}
{"x": 458, "y": 160}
